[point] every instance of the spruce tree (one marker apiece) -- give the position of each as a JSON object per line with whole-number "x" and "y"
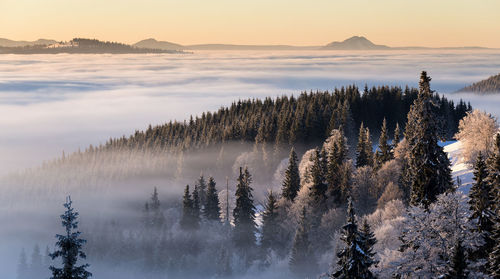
{"x": 494, "y": 181}
{"x": 317, "y": 193}
{"x": 368, "y": 240}
{"x": 244, "y": 213}
{"x": 334, "y": 175}
{"x": 188, "y": 221}
{"x": 458, "y": 263}
{"x": 291, "y": 183}
{"x": 196, "y": 205}
{"x": 270, "y": 226}
{"x": 384, "y": 149}
{"x": 212, "y": 206}
{"x": 302, "y": 261}
{"x": 362, "y": 159}
{"x": 201, "y": 187}
{"x": 70, "y": 248}
{"x": 396, "y": 139}
{"x": 481, "y": 202}
{"x": 354, "y": 260}
{"x": 428, "y": 167}
{"x": 494, "y": 256}
{"x": 157, "y": 220}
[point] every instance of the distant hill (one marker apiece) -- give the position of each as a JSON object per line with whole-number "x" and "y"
{"x": 11, "y": 43}
{"x": 490, "y": 85}
{"x": 249, "y": 47}
{"x": 154, "y": 44}
{"x": 355, "y": 43}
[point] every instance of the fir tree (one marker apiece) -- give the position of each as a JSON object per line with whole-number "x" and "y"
{"x": 317, "y": 193}
{"x": 354, "y": 261}
{"x": 384, "y": 149}
{"x": 196, "y": 205}
{"x": 291, "y": 183}
{"x": 201, "y": 188}
{"x": 244, "y": 213}
{"x": 188, "y": 221}
{"x": 458, "y": 263}
{"x": 481, "y": 202}
{"x": 368, "y": 240}
{"x": 302, "y": 260}
{"x": 270, "y": 224}
{"x": 494, "y": 256}
{"x": 396, "y": 139}
{"x": 362, "y": 159}
{"x": 211, "y": 210}
{"x": 153, "y": 209}
{"x": 70, "y": 248}
{"x": 334, "y": 175}
{"x": 428, "y": 167}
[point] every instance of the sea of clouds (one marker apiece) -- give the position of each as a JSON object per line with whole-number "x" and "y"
{"x": 51, "y": 103}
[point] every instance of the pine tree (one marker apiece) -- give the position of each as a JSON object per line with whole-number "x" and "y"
{"x": 458, "y": 263}
{"x": 368, "y": 240}
{"x": 70, "y": 248}
{"x": 361, "y": 156}
{"x": 428, "y": 167}
{"x": 201, "y": 188}
{"x": 270, "y": 224}
{"x": 196, "y": 205}
{"x": 244, "y": 213}
{"x": 354, "y": 261}
{"x": 188, "y": 221}
{"x": 481, "y": 202}
{"x": 384, "y": 149}
{"x": 317, "y": 193}
{"x": 291, "y": 183}
{"x": 212, "y": 208}
{"x": 302, "y": 261}
{"x": 396, "y": 139}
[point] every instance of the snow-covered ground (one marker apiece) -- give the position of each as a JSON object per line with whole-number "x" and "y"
{"x": 458, "y": 168}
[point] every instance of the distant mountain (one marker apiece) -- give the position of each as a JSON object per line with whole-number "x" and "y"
{"x": 490, "y": 85}
{"x": 249, "y": 47}
{"x": 11, "y": 43}
{"x": 154, "y": 44}
{"x": 355, "y": 43}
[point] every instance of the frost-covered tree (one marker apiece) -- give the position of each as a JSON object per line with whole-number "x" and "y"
{"x": 302, "y": 261}
{"x": 476, "y": 132}
{"x": 356, "y": 258}
{"x": 291, "y": 183}
{"x": 429, "y": 235}
{"x": 481, "y": 204}
{"x": 211, "y": 210}
{"x": 458, "y": 263}
{"x": 383, "y": 153}
{"x": 70, "y": 248}
{"x": 428, "y": 167}
{"x": 244, "y": 213}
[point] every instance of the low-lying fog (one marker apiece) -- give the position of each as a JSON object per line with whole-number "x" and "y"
{"x": 51, "y": 103}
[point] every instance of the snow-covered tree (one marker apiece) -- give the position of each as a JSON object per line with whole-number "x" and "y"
{"x": 477, "y": 134}
{"x": 70, "y": 248}
{"x": 356, "y": 258}
{"x": 427, "y": 168}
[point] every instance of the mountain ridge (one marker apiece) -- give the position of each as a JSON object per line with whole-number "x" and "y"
{"x": 490, "y": 85}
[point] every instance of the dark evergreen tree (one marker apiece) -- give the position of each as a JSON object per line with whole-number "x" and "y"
{"x": 494, "y": 256}
{"x": 201, "y": 188}
{"x": 196, "y": 205}
{"x": 494, "y": 181}
{"x": 70, "y": 248}
{"x": 354, "y": 262}
{"x": 481, "y": 203}
{"x": 335, "y": 175}
{"x": 368, "y": 240}
{"x": 458, "y": 263}
{"x": 383, "y": 153}
{"x": 270, "y": 226}
{"x": 302, "y": 260}
{"x": 212, "y": 206}
{"x": 156, "y": 217}
{"x": 428, "y": 167}
{"x": 244, "y": 213}
{"x": 317, "y": 193}
{"x": 364, "y": 152}
{"x": 291, "y": 183}
{"x": 188, "y": 221}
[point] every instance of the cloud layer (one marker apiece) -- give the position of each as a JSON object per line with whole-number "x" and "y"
{"x": 51, "y": 103}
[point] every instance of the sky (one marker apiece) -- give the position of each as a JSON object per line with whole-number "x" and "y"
{"x": 315, "y": 22}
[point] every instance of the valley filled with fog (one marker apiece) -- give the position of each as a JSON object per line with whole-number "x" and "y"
{"x": 52, "y": 107}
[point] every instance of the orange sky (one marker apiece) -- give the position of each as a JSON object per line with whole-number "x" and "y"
{"x": 312, "y": 22}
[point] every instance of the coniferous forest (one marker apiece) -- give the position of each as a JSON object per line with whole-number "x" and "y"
{"x": 344, "y": 184}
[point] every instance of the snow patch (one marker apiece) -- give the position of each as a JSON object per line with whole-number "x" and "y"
{"x": 459, "y": 169}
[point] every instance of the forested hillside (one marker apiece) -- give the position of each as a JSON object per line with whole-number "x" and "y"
{"x": 487, "y": 86}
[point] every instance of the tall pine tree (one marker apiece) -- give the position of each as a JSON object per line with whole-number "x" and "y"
{"x": 291, "y": 183}
{"x": 212, "y": 206}
{"x": 244, "y": 213}
{"x": 317, "y": 193}
{"x": 302, "y": 261}
{"x": 354, "y": 260}
{"x": 428, "y": 167}
{"x": 70, "y": 248}
{"x": 384, "y": 153}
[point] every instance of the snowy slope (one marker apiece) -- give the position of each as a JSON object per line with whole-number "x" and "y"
{"x": 458, "y": 168}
